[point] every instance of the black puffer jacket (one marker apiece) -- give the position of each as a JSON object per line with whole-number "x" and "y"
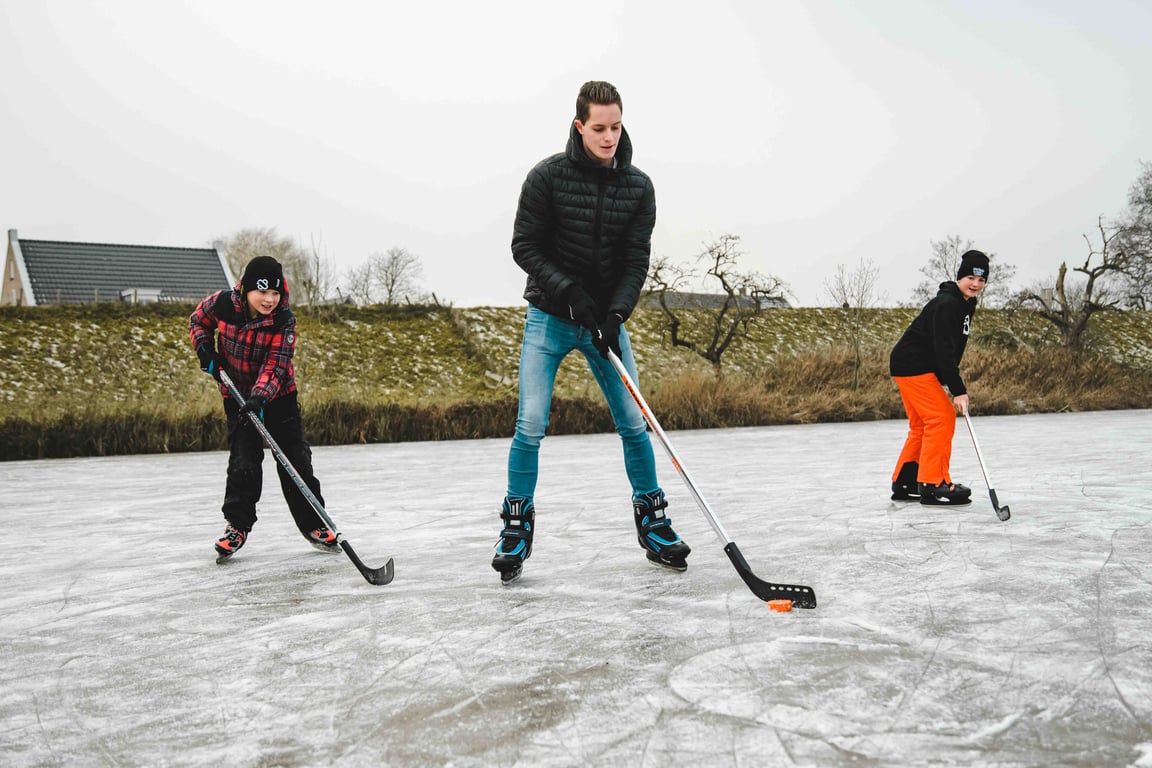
{"x": 581, "y": 223}
{"x": 935, "y": 341}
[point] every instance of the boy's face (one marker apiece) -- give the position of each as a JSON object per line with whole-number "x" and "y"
{"x": 262, "y": 302}
{"x": 601, "y": 132}
{"x": 970, "y": 286}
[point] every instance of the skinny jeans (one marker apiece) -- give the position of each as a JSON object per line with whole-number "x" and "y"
{"x": 547, "y": 341}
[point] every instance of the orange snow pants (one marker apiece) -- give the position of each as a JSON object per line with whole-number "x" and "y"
{"x": 931, "y": 425}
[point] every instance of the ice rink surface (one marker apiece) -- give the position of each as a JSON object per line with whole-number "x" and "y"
{"x": 942, "y": 636}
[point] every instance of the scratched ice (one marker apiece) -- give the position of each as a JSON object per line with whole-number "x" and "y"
{"x": 942, "y": 636}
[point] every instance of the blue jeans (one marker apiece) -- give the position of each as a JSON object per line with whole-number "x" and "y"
{"x": 547, "y": 341}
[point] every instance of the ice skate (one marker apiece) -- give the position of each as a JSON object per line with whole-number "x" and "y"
{"x": 945, "y": 494}
{"x": 515, "y": 544}
{"x": 324, "y": 540}
{"x": 228, "y": 544}
{"x": 654, "y": 532}
{"x": 905, "y": 487}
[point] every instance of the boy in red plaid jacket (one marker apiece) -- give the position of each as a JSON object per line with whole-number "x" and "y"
{"x": 250, "y": 332}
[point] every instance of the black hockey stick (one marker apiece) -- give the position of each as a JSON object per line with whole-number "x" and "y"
{"x": 801, "y": 597}
{"x": 378, "y": 576}
{"x": 1002, "y": 512}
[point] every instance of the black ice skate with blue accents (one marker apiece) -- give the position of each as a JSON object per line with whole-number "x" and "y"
{"x": 654, "y": 532}
{"x": 515, "y": 544}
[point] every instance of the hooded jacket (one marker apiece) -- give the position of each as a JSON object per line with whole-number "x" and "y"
{"x": 257, "y": 352}
{"x": 935, "y": 341}
{"x": 579, "y": 223}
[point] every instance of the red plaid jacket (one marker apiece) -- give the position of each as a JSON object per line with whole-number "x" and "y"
{"x": 257, "y": 353}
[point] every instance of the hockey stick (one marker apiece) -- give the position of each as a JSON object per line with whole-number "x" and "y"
{"x": 1002, "y": 512}
{"x": 801, "y": 597}
{"x": 378, "y": 576}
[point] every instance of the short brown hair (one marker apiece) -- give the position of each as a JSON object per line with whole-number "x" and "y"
{"x": 596, "y": 92}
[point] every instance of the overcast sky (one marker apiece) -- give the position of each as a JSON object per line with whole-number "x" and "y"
{"x": 820, "y": 132}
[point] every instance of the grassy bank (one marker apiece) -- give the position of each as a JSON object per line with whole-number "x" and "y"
{"x": 114, "y": 379}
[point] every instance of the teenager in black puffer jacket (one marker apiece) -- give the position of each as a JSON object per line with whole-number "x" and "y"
{"x": 583, "y": 233}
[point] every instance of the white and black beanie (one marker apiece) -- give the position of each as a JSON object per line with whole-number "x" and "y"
{"x": 973, "y": 263}
{"x": 263, "y": 273}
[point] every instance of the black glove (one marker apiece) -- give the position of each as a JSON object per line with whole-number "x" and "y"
{"x": 254, "y": 405}
{"x": 609, "y": 335}
{"x": 582, "y": 309}
{"x": 211, "y": 361}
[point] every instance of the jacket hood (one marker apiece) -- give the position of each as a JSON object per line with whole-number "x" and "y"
{"x": 576, "y": 153}
{"x": 950, "y": 288}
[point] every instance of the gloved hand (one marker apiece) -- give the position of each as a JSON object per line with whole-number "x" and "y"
{"x": 211, "y": 361}
{"x": 582, "y": 309}
{"x": 254, "y": 405}
{"x": 609, "y": 335}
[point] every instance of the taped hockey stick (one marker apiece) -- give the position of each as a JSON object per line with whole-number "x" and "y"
{"x": 378, "y": 576}
{"x": 1002, "y": 512}
{"x": 801, "y": 597}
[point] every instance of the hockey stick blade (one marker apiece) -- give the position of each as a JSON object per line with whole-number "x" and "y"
{"x": 801, "y": 597}
{"x": 1002, "y": 512}
{"x": 378, "y": 576}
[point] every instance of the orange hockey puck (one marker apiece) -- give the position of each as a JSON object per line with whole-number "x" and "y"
{"x": 783, "y": 606}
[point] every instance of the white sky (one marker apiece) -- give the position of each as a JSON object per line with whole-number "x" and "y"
{"x": 822, "y": 133}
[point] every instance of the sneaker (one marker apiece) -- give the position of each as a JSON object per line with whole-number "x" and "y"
{"x": 515, "y": 544}
{"x": 654, "y": 532}
{"x": 905, "y": 487}
{"x": 228, "y": 544}
{"x": 945, "y": 494}
{"x": 324, "y": 540}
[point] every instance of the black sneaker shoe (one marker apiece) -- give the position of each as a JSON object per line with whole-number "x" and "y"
{"x": 515, "y": 544}
{"x": 905, "y": 487}
{"x": 654, "y": 532}
{"x": 324, "y": 540}
{"x": 228, "y": 544}
{"x": 945, "y": 494}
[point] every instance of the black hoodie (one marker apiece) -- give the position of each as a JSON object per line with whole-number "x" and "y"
{"x": 935, "y": 341}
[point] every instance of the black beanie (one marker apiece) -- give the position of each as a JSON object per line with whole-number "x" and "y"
{"x": 263, "y": 273}
{"x": 973, "y": 263}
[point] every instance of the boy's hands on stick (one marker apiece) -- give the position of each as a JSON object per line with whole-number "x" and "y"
{"x": 211, "y": 361}
{"x": 254, "y": 405}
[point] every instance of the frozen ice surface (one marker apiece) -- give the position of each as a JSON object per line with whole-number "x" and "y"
{"x": 942, "y": 636}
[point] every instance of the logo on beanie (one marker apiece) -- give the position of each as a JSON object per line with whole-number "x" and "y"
{"x": 979, "y": 271}
{"x": 262, "y": 284}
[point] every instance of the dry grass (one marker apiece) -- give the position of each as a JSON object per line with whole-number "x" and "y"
{"x": 113, "y": 379}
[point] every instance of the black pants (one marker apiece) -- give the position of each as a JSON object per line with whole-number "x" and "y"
{"x": 246, "y": 455}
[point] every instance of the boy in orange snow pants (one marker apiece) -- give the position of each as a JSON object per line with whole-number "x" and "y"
{"x": 923, "y": 363}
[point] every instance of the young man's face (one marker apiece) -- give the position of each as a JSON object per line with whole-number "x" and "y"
{"x": 970, "y": 286}
{"x": 601, "y": 132}
{"x": 262, "y": 302}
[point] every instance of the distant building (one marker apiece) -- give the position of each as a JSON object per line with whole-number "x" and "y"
{"x": 56, "y": 272}
{"x": 688, "y": 300}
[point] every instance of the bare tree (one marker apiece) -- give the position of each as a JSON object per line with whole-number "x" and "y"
{"x": 392, "y": 277}
{"x": 358, "y": 283}
{"x": 745, "y": 296}
{"x": 398, "y": 274}
{"x": 945, "y": 261}
{"x": 1070, "y": 307}
{"x": 1136, "y": 241}
{"x": 321, "y": 275}
{"x": 246, "y": 244}
{"x": 855, "y": 293}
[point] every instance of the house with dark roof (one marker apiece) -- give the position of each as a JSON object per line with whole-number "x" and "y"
{"x": 57, "y": 272}
{"x": 690, "y": 300}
